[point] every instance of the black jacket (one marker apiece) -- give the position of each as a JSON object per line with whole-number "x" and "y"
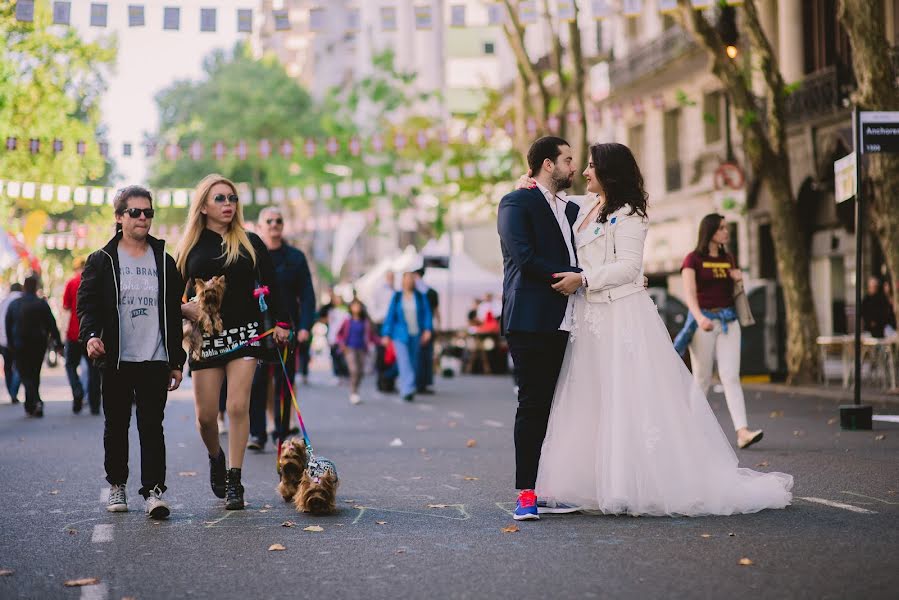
{"x": 533, "y": 249}
{"x": 30, "y": 324}
{"x": 98, "y": 301}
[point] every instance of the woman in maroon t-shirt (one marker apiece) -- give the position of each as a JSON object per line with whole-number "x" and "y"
{"x": 709, "y": 274}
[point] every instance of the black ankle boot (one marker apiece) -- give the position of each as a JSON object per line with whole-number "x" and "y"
{"x": 233, "y": 491}
{"x": 218, "y": 472}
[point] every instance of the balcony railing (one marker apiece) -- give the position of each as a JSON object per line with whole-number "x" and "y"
{"x": 819, "y": 94}
{"x": 651, "y": 57}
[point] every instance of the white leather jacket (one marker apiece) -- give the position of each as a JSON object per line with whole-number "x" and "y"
{"x": 611, "y": 253}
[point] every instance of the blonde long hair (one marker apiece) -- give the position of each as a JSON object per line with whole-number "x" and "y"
{"x": 234, "y": 239}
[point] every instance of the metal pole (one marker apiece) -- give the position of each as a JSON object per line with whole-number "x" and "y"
{"x": 859, "y": 238}
{"x": 727, "y": 139}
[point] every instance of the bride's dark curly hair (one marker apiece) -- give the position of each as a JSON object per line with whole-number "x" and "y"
{"x": 620, "y": 179}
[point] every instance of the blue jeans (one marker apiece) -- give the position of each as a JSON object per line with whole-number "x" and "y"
{"x": 407, "y": 357}
{"x": 73, "y": 355}
{"x": 10, "y": 374}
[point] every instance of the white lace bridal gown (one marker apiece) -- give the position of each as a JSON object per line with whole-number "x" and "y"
{"x": 631, "y": 433}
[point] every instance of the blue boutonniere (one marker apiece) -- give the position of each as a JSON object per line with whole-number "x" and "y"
{"x": 613, "y": 220}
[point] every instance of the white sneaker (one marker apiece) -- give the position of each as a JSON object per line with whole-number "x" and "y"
{"x": 117, "y": 501}
{"x": 551, "y": 507}
{"x": 223, "y": 425}
{"x": 355, "y": 399}
{"x": 157, "y": 508}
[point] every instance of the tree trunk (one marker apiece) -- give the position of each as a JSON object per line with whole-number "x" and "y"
{"x": 863, "y": 21}
{"x": 766, "y": 150}
{"x": 579, "y": 83}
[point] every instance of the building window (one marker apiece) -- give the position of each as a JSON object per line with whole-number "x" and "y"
{"x": 635, "y": 141}
{"x": 489, "y": 48}
{"x": 712, "y": 115}
{"x": 672, "y": 150}
{"x": 599, "y": 46}
{"x": 767, "y": 256}
{"x": 633, "y": 27}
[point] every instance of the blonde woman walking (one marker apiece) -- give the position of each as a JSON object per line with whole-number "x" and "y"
{"x": 216, "y": 243}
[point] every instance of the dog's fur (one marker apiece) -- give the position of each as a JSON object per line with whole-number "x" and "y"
{"x": 317, "y": 496}
{"x": 291, "y": 467}
{"x": 209, "y": 296}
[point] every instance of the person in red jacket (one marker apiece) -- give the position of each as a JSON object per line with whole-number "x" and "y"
{"x": 74, "y": 351}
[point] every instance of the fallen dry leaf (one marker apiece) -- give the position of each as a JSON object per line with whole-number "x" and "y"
{"x": 877, "y": 438}
{"x": 706, "y": 535}
{"x": 470, "y": 478}
{"x": 288, "y": 524}
{"x": 263, "y": 510}
{"x": 731, "y": 534}
{"x": 762, "y": 464}
{"x": 313, "y": 528}
{"x": 276, "y": 548}
{"x": 54, "y": 492}
{"x": 401, "y": 551}
{"x": 82, "y": 582}
{"x": 438, "y": 505}
{"x": 745, "y": 562}
{"x": 510, "y": 529}
{"x": 416, "y": 478}
{"x": 60, "y": 480}
{"x": 266, "y": 506}
{"x": 471, "y": 443}
{"x": 6, "y": 572}
{"x": 832, "y": 420}
{"x": 798, "y": 432}
{"x": 358, "y": 506}
{"x": 396, "y": 443}
{"x": 71, "y": 531}
{"x": 187, "y": 474}
{"x": 348, "y": 501}
{"x": 381, "y": 522}
{"x": 776, "y": 413}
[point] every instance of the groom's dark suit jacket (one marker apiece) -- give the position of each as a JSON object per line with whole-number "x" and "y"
{"x": 533, "y": 249}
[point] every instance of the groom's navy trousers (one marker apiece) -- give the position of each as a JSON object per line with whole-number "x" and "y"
{"x": 534, "y": 248}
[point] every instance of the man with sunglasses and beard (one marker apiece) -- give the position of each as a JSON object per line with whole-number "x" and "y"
{"x": 129, "y": 306}
{"x": 295, "y": 282}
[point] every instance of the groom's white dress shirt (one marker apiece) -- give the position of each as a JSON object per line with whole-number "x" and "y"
{"x": 557, "y": 203}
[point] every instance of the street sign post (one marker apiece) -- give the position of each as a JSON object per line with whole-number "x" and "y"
{"x": 873, "y": 132}
{"x": 844, "y": 178}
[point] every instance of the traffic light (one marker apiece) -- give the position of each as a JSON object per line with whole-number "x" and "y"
{"x": 726, "y": 26}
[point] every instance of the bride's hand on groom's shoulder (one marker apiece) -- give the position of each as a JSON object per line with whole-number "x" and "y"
{"x": 526, "y": 182}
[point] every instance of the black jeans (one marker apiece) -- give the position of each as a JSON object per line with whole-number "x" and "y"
{"x": 145, "y": 385}
{"x": 266, "y": 374}
{"x": 74, "y": 354}
{"x": 29, "y": 362}
{"x": 538, "y": 360}
{"x": 10, "y": 375}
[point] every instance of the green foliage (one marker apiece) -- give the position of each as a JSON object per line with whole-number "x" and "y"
{"x": 51, "y": 82}
{"x": 683, "y": 99}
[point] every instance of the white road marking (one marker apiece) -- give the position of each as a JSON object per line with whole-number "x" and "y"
{"x": 104, "y": 495}
{"x": 102, "y": 533}
{"x": 871, "y": 498}
{"x": 849, "y": 507}
{"x": 94, "y": 592}
{"x": 886, "y": 418}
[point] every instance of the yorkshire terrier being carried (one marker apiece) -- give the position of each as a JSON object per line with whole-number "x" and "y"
{"x": 209, "y": 295}
{"x": 309, "y": 481}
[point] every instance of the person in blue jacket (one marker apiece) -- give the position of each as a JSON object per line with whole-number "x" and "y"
{"x": 409, "y": 326}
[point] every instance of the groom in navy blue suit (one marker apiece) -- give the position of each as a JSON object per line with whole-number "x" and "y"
{"x": 537, "y": 241}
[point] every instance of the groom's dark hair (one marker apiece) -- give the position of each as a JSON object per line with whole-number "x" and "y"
{"x": 545, "y": 147}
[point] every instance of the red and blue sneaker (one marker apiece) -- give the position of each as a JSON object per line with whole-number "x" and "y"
{"x": 526, "y": 508}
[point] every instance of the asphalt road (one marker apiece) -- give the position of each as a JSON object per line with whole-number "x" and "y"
{"x": 425, "y": 519}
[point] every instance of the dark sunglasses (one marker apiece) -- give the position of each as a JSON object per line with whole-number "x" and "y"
{"x": 135, "y": 213}
{"x": 220, "y": 198}
{"x": 278, "y": 221}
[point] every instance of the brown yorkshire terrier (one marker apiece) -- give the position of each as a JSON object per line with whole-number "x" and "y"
{"x": 209, "y": 299}
{"x": 291, "y": 467}
{"x": 318, "y": 488}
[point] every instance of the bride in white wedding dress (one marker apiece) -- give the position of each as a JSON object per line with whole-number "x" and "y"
{"x": 630, "y": 432}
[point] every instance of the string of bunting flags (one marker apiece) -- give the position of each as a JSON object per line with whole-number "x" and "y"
{"x": 318, "y": 19}
{"x": 331, "y": 146}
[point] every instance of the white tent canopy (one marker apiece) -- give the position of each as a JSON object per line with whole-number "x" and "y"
{"x": 456, "y": 286}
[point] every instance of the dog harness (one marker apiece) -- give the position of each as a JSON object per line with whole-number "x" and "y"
{"x": 318, "y": 467}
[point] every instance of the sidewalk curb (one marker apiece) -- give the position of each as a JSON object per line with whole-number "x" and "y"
{"x": 824, "y": 392}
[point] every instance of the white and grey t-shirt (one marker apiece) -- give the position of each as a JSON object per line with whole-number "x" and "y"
{"x": 141, "y": 337}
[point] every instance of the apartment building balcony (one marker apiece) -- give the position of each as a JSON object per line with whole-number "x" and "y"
{"x": 651, "y": 57}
